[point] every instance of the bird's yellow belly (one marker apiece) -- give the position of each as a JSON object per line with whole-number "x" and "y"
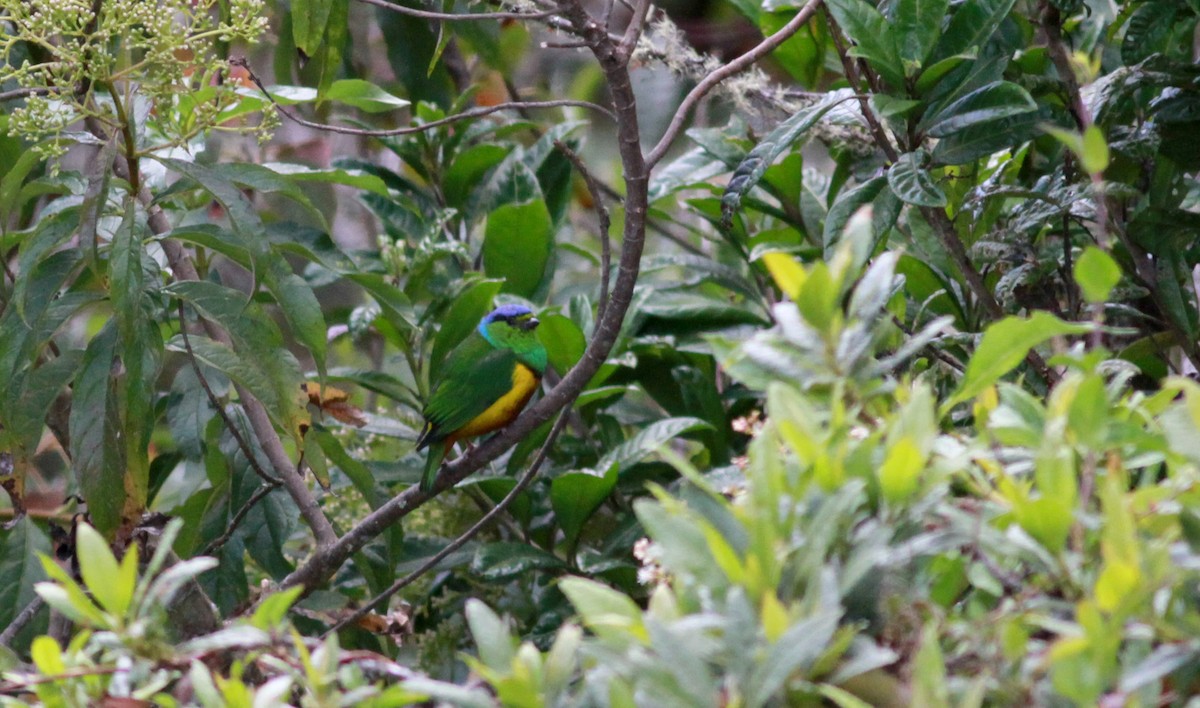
{"x": 506, "y": 408}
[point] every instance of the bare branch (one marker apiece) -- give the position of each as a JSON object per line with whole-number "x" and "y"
{"x": 410, "y": 130}
{"x": 602, "y": 216}
{"x": 23, "y": 93}
{"x": 633, "y": 30}
{"x": 736, "y": 66}
{"x": 20, "y": 621}
{"x": 220, "y": 541}
{"x": 467, "y": 535}
{"x": 452, "y": 17}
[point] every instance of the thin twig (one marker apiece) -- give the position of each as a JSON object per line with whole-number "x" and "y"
{"x": 23, "y": 618}
{"x": 593, "y": 188}
{"x": 24, "y": 93}
{"x": 736, "y": 66}
{"x": 216, "y": 403}
{"x": 220, "y": 541}
{"x": 476, "y": 112}
{"x": 452, "y": 17}
{"x": 633, "y": 30}
{"x": 467, "y": 535}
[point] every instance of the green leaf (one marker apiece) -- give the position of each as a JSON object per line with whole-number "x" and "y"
{"x": 259, "y": 360}
{"x": 1093, "y": 154}
{"x": 96, "y": 427}
{"x": 929, "y": 672}
{"x": 983, "y": 139}
{"x": 359, "y": 475}
{"x": 349, "y": 176}
{"x": 575, "y": 496}
{"x": 797, "y": 649}
{"x": 872, "y": 36}
{"x": 918, "y": 25}
{"x": 911, "y": 182}
{"x": 517, "y": 245}
{"x": 1005, "y": 344}
{"x": 648, "y": 440}
{"x": 497, "y": 647}
{"x": 1097, "y": 274}
{"x": 751, "y": 169}
{"x": 462, "y": 317}
{"x": 999, "y": 99}
{"x": 563, "y": 340}
{"x": 20, "y": 546}
{"x": 363, "y": 95}
{"x": 605, "y": 611}
{"x": 100, "y": 571}
{"x": 971, "y": 26}
{"x": 11, "y": 181}
{"x": 309, "y": 18}
{"x": 498, "y": 562}
{"x": 273, "y": 608}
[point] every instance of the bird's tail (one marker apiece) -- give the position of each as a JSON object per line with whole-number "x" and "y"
{"x": 434, "y": 461}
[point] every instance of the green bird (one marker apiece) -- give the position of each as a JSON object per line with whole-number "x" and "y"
{"x": 484, "y": 384}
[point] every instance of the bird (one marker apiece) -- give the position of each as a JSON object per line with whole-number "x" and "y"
{"x": 485, "y": 382}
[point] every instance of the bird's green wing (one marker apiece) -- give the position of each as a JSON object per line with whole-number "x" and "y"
{"x": 474, "y": 377}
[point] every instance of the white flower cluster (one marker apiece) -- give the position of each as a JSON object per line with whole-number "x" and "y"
{"x": 161, "y": 51}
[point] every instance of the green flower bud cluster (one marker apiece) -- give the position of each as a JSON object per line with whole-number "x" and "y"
{"x": 154, "y": 69}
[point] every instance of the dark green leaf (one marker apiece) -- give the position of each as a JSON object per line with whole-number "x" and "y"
{"x": 575, "y": 496}
{"x": 498, "y": 562}
{"x": 517, "y": 245}
{"x": 911, "y": 181}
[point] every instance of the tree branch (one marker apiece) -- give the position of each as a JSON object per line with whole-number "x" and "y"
{"x": 736, "y": 66}
{"x": 452, "y": 17}
{"x": 467, "y": 535}
{"x": 476, "y": 112}
{"x": 602, "y": 216}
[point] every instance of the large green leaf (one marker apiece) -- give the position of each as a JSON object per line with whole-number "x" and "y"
{"x": 498, "y": 562}
{"x": 918, "y": 24}
{"x": 20, "y": 547}
{"x": 563, "y": 340}
{"x": 649, "y": 440}
{"x": 293, "y": 296}
{"x": 575, "y": 496}
{"x": 517, "y": 245}
{"x": 463, "y": 316}
{"x": 96, "y": 426}
{"x": 873, "y": 37}
{"x": 1000, "y": 99}
{"x": 1004, "y": 345}
{"x": 778, "y": 141}
{"x": 971, "y": 26}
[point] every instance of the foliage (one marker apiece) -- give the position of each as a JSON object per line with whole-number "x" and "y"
{"x": 877, "y": 389}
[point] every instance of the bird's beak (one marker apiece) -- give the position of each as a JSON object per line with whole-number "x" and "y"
{"x": 530, "y": 323}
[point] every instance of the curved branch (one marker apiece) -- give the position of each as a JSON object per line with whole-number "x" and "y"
{"x": 476, "y": 112}
{"x": 708, "y": 83}
{"x": 452, "y": 17}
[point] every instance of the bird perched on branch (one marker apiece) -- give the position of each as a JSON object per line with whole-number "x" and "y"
{"x": 484, "y": 384}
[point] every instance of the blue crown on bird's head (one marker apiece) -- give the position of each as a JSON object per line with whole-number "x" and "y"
{"x": 516, "y": 315}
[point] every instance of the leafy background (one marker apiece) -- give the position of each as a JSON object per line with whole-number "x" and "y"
{"x": 899, "y": 410}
